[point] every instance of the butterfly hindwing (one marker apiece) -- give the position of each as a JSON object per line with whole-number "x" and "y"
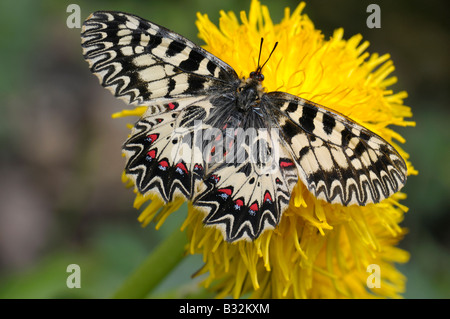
{"x": 248, "y": 196}
{"x": 143, "y": 63}
{"x": 162, "y": 151}
{"x": 338, "y": 160}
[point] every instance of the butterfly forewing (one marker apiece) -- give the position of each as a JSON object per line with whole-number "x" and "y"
{"x": 142, "y": 62}
{"x": 338, "y": 160}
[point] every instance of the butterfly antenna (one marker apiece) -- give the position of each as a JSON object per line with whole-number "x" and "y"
{"x": 259, "y": 56}
{"x": 276, "y": 43}
{"x": 257, "y": 73}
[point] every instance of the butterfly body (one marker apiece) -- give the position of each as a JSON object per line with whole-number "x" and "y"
{"x": 249, "y": 93}
{"x": 224, "y": 143}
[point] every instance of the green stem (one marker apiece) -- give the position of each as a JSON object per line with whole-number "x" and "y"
{"x": 155, "y": 268}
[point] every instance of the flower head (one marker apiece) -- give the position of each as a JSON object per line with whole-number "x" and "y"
{"x": 319, "y": 250}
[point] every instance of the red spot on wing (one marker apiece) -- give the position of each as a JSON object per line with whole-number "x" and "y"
{"x": 225, "y": 191}
{"x": 286, "y": 163}
{"x": 254, "y": 207}
{"x": 171, "y": 106}
{"x": 215, "y": 178}
{"x": 239, "y": 202}
{"x": 182, "y": 167}
{"x": 151, "y": 153}
{"x": 267, "y": 197}
{"x": 163, "y": 165}
{"x": 152, "y": 137}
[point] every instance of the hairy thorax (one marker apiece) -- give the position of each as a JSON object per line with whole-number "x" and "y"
{"x": 249, "y": 94}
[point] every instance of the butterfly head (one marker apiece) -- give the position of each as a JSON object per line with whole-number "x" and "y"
{"x": 257, "y": 75}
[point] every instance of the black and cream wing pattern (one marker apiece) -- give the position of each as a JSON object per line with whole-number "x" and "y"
{"x": 222, "y": 142}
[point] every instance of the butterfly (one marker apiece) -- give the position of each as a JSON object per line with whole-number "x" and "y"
{"x": 220, "y": 141}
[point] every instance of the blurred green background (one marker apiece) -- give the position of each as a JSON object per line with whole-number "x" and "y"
{"x": 61, "y": 198}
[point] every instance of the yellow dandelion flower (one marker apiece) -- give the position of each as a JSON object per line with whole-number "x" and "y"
{"x": 319, "y": 250}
